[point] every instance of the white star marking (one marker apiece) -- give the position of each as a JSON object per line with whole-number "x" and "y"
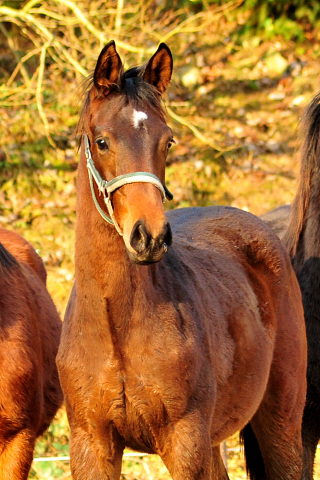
{"x": 138, "y": 117}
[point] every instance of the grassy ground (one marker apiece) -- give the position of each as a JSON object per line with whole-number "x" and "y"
{"x": 134, "y": 467}
{"x": 234, "y": 107}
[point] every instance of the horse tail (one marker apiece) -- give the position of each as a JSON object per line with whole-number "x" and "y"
{"x": 252, "y": 453}
{"x": 309, "y": 164}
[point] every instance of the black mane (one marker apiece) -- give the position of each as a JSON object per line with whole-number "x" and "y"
{"x": 8, "y": 263}
{"x": 307, "y": 196}
{"x": 132, "y": 89}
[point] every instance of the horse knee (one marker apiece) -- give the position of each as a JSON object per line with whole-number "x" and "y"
{"x": 92, "y": 457}
{"x": 17, "y": 454}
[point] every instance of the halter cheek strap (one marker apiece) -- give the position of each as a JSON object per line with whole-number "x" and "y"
{"x": 107, "y": 188}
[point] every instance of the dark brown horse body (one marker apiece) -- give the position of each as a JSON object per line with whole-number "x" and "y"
{"x": 278, "y": 219}
{"x": 302, "y": 240}
{"x": 173, "y": 357}
{"x": 30, "y": 328}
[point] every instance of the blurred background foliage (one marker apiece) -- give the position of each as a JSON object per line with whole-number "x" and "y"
{"x": 243, "y": 71}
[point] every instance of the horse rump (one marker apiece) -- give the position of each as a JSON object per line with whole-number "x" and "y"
{"x": 30, "y": 328}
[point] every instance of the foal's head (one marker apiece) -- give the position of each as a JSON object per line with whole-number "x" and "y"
{"x": 124, "y": 126}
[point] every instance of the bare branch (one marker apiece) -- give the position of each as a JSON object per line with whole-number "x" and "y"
{"x": 194, "y": 129}
{"x": 39, "y": 92}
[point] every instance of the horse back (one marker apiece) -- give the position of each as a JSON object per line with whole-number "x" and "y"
{"x": 23, "y": 252}
{"x": 228, "y": 231}
{"x": 278, "y": 219}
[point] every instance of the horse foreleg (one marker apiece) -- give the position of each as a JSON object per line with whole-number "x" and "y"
{"x": 219, "y": 471}
{"x": 93, "y": 458}
{"x": 189, "y": 454}
{"x": 16, "y": 455}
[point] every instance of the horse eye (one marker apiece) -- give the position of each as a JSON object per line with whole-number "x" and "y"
{"x": 170, "y": 143}
{"x": 102, "y": 144}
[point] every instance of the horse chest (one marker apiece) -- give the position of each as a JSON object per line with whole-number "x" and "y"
{"x": 136, "y": 399}
{"x": 142, "y": 372}
{"x": 139, "y": 386}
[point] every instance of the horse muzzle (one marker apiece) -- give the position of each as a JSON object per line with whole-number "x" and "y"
{"x": 145, "y": 248}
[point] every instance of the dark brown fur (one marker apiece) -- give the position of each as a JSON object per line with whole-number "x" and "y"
{"x": 175, "y": 356}
{"x": 302, "y": 240}
{"x": 30, "y": 328}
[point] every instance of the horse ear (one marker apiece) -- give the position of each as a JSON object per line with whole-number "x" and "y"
{"x": 159, "y": 68}
{"x": 108, "y": 69}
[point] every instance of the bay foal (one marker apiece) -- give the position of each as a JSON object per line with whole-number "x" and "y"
{"x": 181, "y": 327}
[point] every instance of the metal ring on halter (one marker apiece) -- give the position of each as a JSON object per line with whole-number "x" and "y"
{"x": 106, "y": 188}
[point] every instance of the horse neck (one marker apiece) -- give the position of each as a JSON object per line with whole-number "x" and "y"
{"x": 301, "y": 238}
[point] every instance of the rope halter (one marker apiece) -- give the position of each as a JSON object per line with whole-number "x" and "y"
{"x": 107, "y": 188}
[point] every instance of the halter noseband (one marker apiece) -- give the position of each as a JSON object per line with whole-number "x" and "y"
{"x": 106, "y": 188}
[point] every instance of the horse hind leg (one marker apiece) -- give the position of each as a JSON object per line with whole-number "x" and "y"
{"x": 16, "y": 455}
{"x": 273, "y": 450}
{"x": 310, "y": 437}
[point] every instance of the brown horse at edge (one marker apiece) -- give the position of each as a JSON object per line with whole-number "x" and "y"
{"x": 30, "y": 329}
{"x": 182, "y": 328}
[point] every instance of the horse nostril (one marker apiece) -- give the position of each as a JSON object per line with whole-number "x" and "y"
{"x": 164, "y": 240}
{"x": 139, "y": 237}
{"x": 167, "y": 237}
{"x": 144, "y": 243}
